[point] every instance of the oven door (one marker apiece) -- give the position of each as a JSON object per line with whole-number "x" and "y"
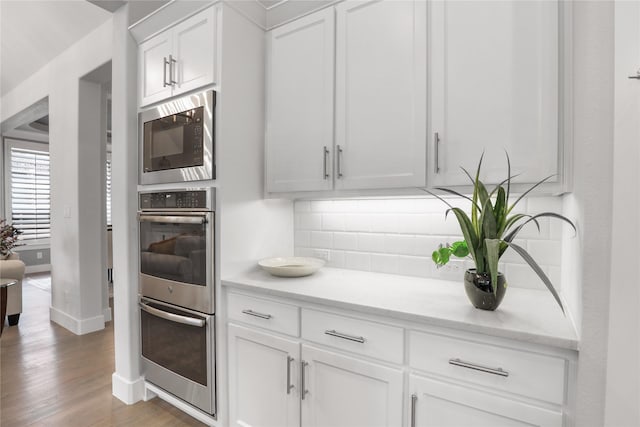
{"x": 178, "y": 352}
{"x": 176, "y": 140}
{"x": 176, "y": 259}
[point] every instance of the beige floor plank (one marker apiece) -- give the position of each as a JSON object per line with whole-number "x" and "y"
{"x": 51, "y": 377}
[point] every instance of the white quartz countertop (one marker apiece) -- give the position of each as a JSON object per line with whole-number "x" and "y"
{"x": 526, "y": 315}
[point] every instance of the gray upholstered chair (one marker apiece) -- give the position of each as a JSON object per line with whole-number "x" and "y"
{"x": 13, "y": 268}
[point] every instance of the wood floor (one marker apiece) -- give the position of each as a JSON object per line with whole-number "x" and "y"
{"x": 51, "y": 377}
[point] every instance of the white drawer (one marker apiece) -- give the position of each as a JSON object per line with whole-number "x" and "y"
{"x": 355, "y": 335}
{"x": 515, "y": 371}
{"x": 264, "y": 313}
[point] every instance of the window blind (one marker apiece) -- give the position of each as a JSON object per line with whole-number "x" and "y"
{"x": 108, "y": 180}
{"x": 30, "y": 193}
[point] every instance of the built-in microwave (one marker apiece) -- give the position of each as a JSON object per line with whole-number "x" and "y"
{"x": 177, "y": 140}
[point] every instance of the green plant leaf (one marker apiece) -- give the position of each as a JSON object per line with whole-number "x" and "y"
{"x": 455, "y": 193}
{"x": 460, "y": 249}
{"x": 508, "y": 176}
{"x": 500, "y": 212}
{"x": 492, "y": 253}
{"x": 437, "y": 196}
{"x": 534, "y": 218}
{"x": 532, "y": 263}
{"x": 530, "y": 190}
{"x": 467, "y": 231}
{"x": 515, "y": 218}
{"x": 488, "y": 221}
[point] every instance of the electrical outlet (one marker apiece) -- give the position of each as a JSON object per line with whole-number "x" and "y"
{"x": 322, "y": 254}
{"x": 38, "y": 255}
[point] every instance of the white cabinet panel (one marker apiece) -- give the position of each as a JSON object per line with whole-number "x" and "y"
{"x": 343, "y": 391}
{"x": 195, "y": 47}
{"x": 440, "y": 404}
{"x": 381, "y": 94}
{"x": 299, "y": 124}
{"x": 258, "y": 391}
{"x": 179, "y": 59}
{"x": 494, "y": 87}
{"x": 153, "y": 68}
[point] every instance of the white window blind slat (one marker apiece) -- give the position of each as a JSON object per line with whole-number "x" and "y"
{"x": 30, "y": 193}
{"x": 108, "y": 181}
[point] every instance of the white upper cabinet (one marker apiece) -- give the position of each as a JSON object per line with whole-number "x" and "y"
{"x": 299, "y": 123}
{"x": 179, "y": 59}
{"x": 381, "y": 94}
{"x": 494, "y": 87}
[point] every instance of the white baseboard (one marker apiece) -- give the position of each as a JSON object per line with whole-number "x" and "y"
{"x": 77, "y": 326}
{"x": 39, "y": 268}
{"x": 106, "y": 313}
{"x": 127, "y": 391}
{"x": 184, "y": 407}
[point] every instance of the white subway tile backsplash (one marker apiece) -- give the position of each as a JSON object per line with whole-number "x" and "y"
{"x": 383, "y": 263}
{"x": 321, "y": 239}
{"x": 370, "y": 242}
{"x": 358, "y": 261}
{"x": 399, "y": 235}
{"x": 333, "y": 222}
{"x": 414, "y": 266}
{"x": 348, "y": 241}
{"x": 399, "y": 244}
{"x": 545, "y": 251}
{"x": 302, "y": 238}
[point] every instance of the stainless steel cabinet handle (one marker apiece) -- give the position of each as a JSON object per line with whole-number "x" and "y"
{"x": 172, "y": 63}
{"x": 637, "y": 76}
{"x": 289, "y": 385}
{"x": 256, "y": 314}
{"x": 303, "y": 388}
{"x": 436, "y": 143}
{"x": 325, "y": 154}
{"x": 337, "y": 334}
{"x": 191, "y": 321}
{"x": 164, "y": 72}
{"x": 414, "y": 397}
{"x": 494, "y": 371}
{"x": 339, "y": 160}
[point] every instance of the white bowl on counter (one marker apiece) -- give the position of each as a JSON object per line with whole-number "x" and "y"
{"x": 291, "y": 266}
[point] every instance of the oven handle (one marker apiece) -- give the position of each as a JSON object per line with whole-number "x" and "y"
{"x": 173, "y": 219}
{"x": 191, "y": 321}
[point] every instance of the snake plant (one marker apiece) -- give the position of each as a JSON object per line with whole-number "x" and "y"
{"x": 490, "y": 229}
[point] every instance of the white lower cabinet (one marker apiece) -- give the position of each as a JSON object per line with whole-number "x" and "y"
{"x": 437, "y": 403}
{"x": 341, "y": 391}
{"x": 315, "y": 366}
{"x": 263, "y": 379}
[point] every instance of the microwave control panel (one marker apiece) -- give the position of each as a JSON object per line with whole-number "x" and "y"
{"x": 168, "y": 200}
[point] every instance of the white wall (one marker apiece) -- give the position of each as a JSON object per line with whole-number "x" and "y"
{"x": 623, "y": 362}
{"x": 586, "y": 260}
{"x": 74, "y": 289}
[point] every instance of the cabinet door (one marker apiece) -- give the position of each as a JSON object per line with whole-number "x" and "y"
{"x": 153, "y": 68}
{"x": 381, "y": 94}
{"x": 439, "y": 404}
{"x": 259, "y": 367}
{"x": 194, "y": 46}
{"x": 348, "y": 392}
{"x": 299, "y": 123}
{"x": 494, "y": 87}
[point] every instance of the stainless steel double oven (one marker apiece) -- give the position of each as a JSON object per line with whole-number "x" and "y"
{"x": 177, "y": 297}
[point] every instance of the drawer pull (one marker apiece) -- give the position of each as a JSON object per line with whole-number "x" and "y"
{"x": 256, "y": 314}
{"x": 414, "y": 398}
{"x": 336, "y": 334}
{"x": 498, "y": 371}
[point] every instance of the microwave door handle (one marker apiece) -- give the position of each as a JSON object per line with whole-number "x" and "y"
{"x": 191, "y": 321}
{"x": 173, "y": 219}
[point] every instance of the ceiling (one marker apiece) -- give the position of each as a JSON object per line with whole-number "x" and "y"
{"x": 34, "y": 32}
